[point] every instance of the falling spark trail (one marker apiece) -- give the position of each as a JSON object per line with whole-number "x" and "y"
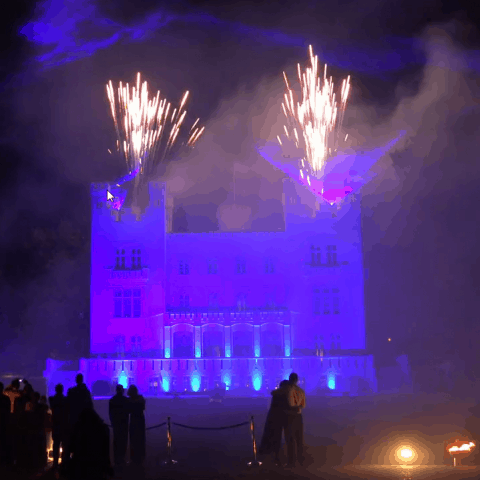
{"x": 141, "y": 125}
{"x": 315, "y": 121}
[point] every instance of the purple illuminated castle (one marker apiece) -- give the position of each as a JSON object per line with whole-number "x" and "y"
{"x": 177, "y": 312}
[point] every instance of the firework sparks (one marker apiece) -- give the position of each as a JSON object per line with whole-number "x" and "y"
{"x": 145, "y": 131}
{"x": 314, "y": 123}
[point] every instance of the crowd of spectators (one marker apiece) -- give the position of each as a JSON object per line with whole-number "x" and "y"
{"x": 81, "y": 439}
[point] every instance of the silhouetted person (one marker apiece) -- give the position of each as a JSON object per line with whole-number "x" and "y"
{"x": 90, "y": 448}
{"x": 58, "y": 405}
{"x": 294, "y": 431}
{"x": 13, "y": 392}
{"x": 21, "y": 438}
{"x": 23, "y": 402}
{"x": 137, "y": 425}
{"x": 276, "y": 422}
{"x": 37, "y": 419}
{"x": 78, "y": 399}
{"x": 118, "y": 410}
{"x": 5, "y": 426}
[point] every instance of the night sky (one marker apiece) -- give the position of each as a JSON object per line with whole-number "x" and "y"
{"x": 414, "y": 66}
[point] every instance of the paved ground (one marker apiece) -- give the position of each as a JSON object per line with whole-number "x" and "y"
{"x": 345, "y": 438}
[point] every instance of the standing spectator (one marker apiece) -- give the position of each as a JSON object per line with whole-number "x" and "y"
{"x": 58, "y": 405}
{"x": 137, "y": 425}
{"x": 13, "y": 392}
{"x": 118, "y": 410}
{"x": 24, "y": 401}
{"x": 296, "y": 400}
{"x": 90, "y": 448}
{"x": 5, "y": 423}
{"x": 21, "y": 438}
{"x": 276, "y": 422}
{"x": 78, "y": 399}
{"x": 37, "y": 416}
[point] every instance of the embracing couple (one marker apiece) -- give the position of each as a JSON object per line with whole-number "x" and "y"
{"x": 285, "y": 414}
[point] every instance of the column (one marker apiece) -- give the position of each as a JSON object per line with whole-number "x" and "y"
{"x": 198, "y": 341}
{"x": 228, "y": 341}
{"x": 168, "y": 342}
{"x": 287, "y": 340}
{"x": 256, "y": 340}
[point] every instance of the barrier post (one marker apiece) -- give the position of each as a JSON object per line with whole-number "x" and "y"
{"x": 169, "y": 460}
{"x": 254, "y": 462}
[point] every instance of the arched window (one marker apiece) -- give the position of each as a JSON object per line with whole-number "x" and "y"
{"x": 213, "y": 341}
{"x": 272, "y": 340}
{"x": 183, "y": 342}
{"x": 242, "y": 337}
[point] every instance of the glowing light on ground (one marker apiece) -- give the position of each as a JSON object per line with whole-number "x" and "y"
{"x": 406, "y": 453}
{"x": 331, "y": 381}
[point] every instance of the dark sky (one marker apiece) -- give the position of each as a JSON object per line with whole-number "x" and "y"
{"x": 414, "y": 67}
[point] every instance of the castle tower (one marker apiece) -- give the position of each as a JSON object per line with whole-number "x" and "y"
{"x": 127, "y": 274}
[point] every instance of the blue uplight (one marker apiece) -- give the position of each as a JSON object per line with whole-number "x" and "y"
{"x": 227, "y": 379}
{"x": 331, "y": 381}
{"x": 123, "y": 380}
{"x": 257, "y": 379}
{"x": 166, "y": 384}
{"x": 198, "y": 353}
{"x": 167, "y": 353}
{"x": 195, "y": 381}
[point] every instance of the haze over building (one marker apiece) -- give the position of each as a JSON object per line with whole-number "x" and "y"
{"x": 176, "y": 312}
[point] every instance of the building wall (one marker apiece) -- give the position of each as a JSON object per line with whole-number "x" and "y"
{"x": 301, "y": 288}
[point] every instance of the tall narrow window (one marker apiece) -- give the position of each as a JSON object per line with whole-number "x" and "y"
{"x": 213, "y": 301}
{"x": 212, "y": 266}
{"x": 241, "y": 301}
{"x": 317, "y": 302}
{"x": 269, "y": 266}
{"x": 335, "y": 301}
{"x": 240, "y": 266}
{"x": 331, "y": 255}
{"x": 136, "y": 259}
{"x": 137, "y": 303}
{"x": 270, "y": 300}
{"x": 183, "y": 267}
{"x": 127, "y": 303}
{"x": 117, "y": 303}
{"x": 184, "y": 301}
{"x": 326, "y": 301}
{"x": 120, "y": 259}
{"x": 315, "y": 256}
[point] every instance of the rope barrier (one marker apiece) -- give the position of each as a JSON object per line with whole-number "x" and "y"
{"x": 148, "y": 428}
{"x": 169, "y": 423}
{"x": 156, "y": 426}
{"x": 211, "y": 428}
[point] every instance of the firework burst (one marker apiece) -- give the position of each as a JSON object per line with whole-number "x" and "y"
{"x": 146, "y": 128}
{"x": 314, "y": 123}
